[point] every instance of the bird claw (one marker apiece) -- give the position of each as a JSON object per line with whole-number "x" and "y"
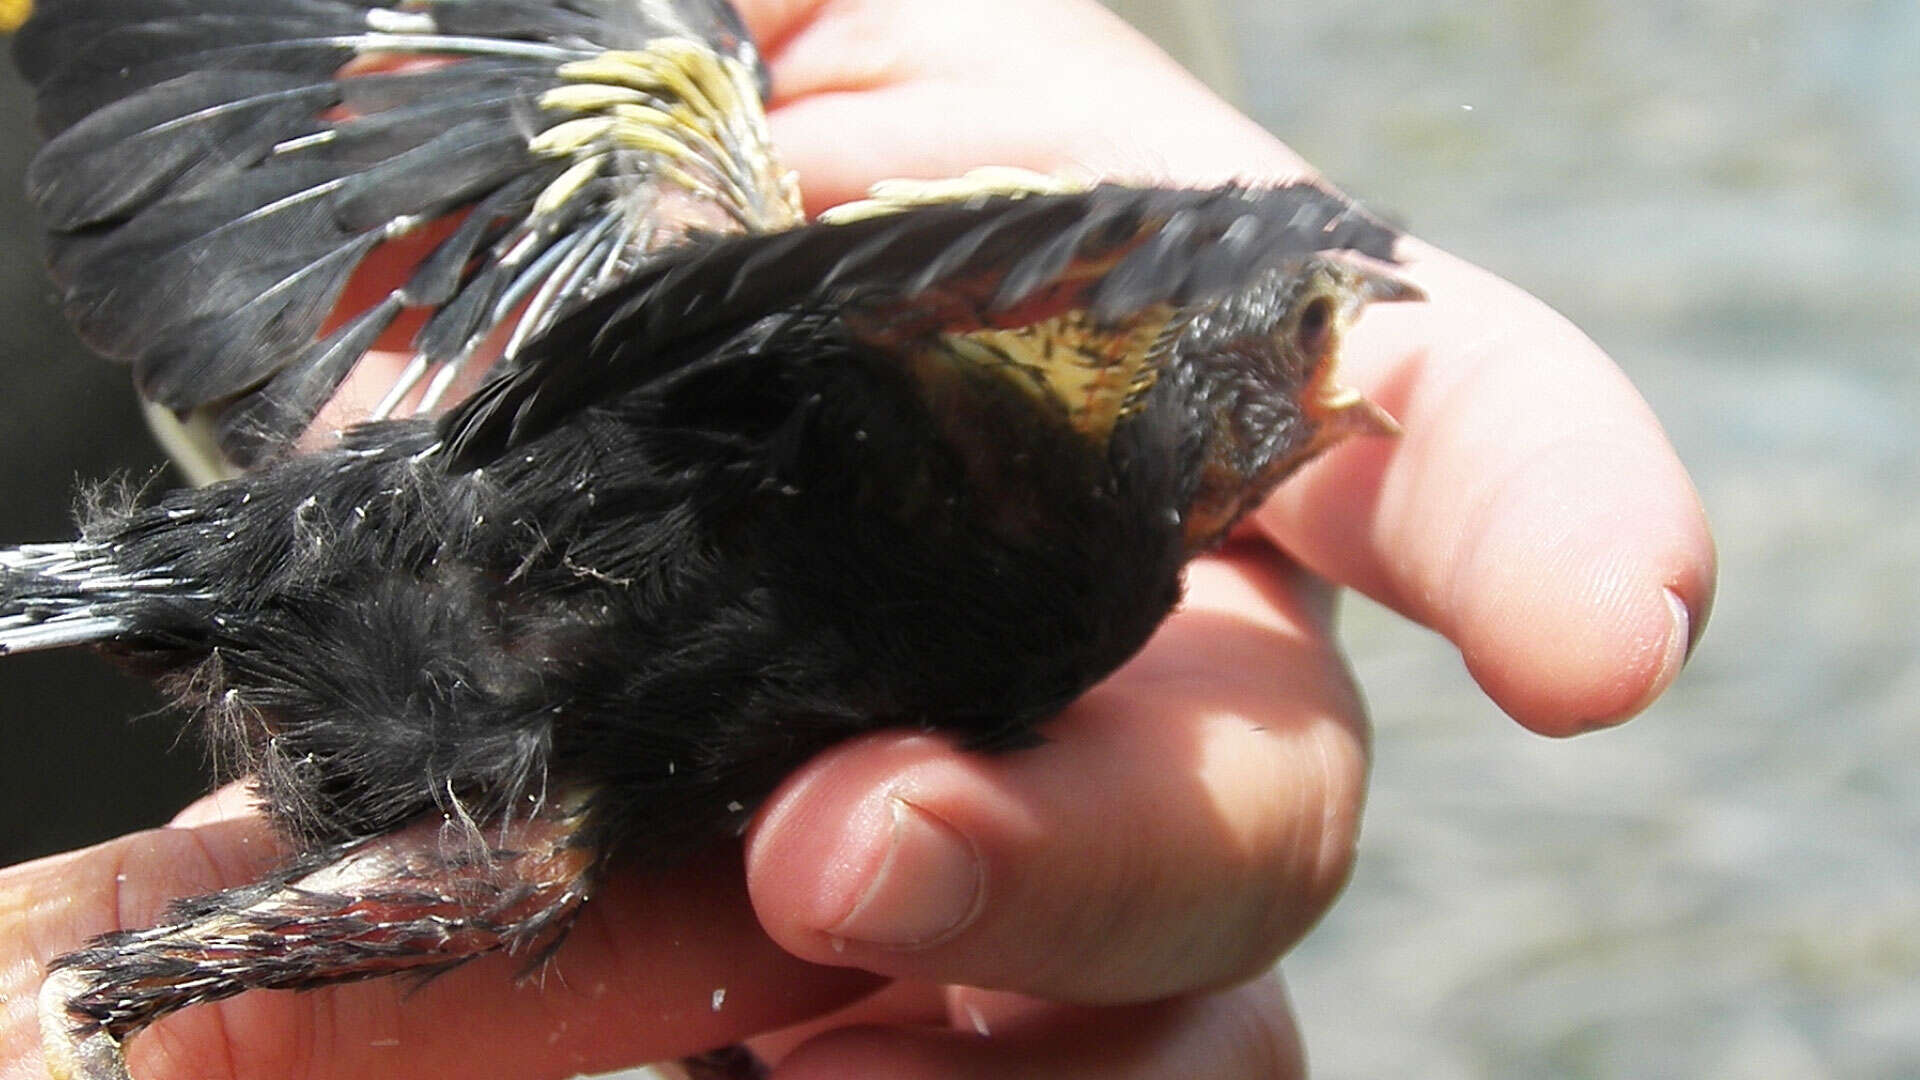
{"x": 74, "y": 1049}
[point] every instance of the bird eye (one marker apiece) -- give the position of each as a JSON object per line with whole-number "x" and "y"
{"x": 1311, "y": 333}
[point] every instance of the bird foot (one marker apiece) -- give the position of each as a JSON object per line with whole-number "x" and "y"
{"x": 418, "y": 900}
{"x": 73, "y": 1048}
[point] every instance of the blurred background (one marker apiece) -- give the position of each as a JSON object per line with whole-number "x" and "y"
{"x": 1726, "y": 195}
{"x": 77, "y": 766}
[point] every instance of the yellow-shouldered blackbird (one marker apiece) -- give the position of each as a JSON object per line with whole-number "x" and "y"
{"x": 739, "y": 486}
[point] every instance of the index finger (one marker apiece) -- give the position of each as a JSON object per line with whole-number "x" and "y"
{"x": 1534, "y": 513}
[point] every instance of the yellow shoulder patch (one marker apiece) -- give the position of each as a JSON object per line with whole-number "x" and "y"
{"x": 693, "y": 114}
{"x": 1093, "y": 376}
{"x": 898, "y": 196}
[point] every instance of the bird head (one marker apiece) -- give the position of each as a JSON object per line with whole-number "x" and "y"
{"x": 1264, "y": 361}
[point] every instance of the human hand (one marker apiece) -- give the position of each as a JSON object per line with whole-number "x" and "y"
{"x": 1187, "y": 821}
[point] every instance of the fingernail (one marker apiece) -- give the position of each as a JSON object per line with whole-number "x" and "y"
{"x": 1680, "y": 641}
{"x": 1678, "y": 647}
{"x": 926, "y": 889}
{"x": 1693, "y": 626}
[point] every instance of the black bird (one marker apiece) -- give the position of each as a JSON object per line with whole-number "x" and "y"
{"x": 741, "y": 486}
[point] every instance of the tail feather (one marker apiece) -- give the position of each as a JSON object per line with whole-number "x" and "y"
{"x": 23, "y": 634}
{"x": 56, "y": 595}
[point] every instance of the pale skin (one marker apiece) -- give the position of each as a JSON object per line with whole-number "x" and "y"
{"x": 1126, "y": 887}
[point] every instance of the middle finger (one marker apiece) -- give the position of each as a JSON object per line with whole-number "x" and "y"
{"x": 1187, "y": 821}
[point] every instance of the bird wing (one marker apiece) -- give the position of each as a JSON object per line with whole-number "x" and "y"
{"x": 218, "y": 171}
{"x": 1064, "y": 289}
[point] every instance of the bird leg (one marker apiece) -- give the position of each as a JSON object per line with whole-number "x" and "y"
{"x": 422, "y": 899}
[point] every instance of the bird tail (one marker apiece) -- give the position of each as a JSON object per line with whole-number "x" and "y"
{"x": 56, "y": 595}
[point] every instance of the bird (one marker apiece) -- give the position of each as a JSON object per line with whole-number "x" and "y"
{"x": 730, "y": 486}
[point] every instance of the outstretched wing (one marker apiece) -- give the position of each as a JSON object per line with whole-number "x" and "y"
{"x": 1063, "y": 289}
{"x": 218, "y": 171}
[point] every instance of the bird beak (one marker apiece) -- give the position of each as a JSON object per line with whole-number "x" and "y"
{"x": 1341, "y": 411}
{"x": 1379, "y": 286}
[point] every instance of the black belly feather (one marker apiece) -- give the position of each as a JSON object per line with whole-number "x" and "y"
{"x": 670, "y": 603}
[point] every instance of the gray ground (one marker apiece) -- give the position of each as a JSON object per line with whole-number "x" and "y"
{"x": 1722, "y": 192}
